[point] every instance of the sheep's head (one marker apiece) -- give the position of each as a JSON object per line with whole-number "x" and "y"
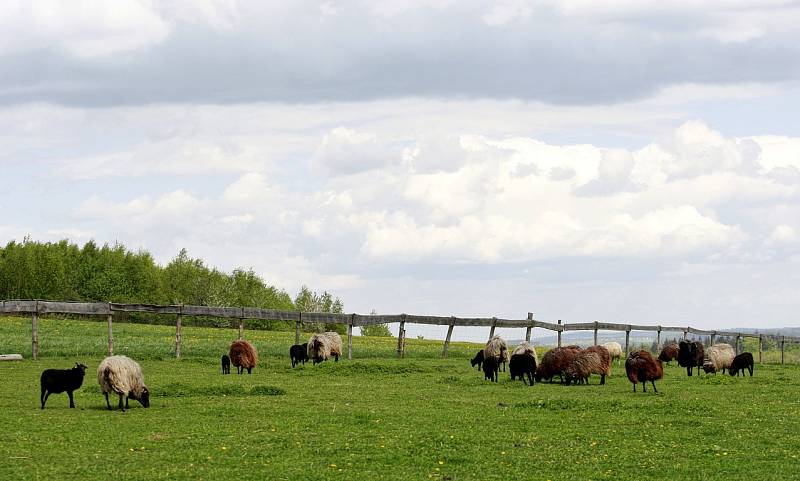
{"x": 708, "y": 367}
{"x": 144, "y": 398}
{"x": 81, "y": 367}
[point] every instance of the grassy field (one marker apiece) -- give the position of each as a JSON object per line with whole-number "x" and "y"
{"x": 377, "y": 417}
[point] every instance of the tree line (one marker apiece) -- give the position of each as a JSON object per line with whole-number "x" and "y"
{"x": 113, "y": 273}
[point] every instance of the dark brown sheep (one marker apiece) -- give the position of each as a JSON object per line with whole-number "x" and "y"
{"x": 669, "y": 352}
{"x": 592, "y": 360}
{"x": 243, "y": 355}
{"x": 641, "y": 367}
{"x": 690, "y": 355}
{"x": 554, "y": 362}
{"x": 743, "y": 362}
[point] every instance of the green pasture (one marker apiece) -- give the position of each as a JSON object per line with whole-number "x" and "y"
{"x": 377, "y": 417}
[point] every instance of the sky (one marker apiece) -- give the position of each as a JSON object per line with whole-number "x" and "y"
{"x": 622, "y": 161}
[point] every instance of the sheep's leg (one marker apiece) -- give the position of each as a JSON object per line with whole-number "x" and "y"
{"x": 654, "y": 386}
{"x": 71, "y": 402}
{"x": 634, "y": 387}
{"x": 602, "y": 379}
{"x": 336, "y": 358}
{"x": 107, "y": 403}
{"x": 750, "y": 368}
{"x": 249, "y": 370}
{"x": 44, "y": 397}
{"x": 126, "y": 402}
{"x": 120, "y": 402}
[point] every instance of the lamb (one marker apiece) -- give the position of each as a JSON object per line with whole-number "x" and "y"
{"x": 497, "y": 347}
{"x": 123, "y": 376}
{"x": 298, "y": 353}
{"x": 60, "y": 380}
{"x": 521, "y": 365}
{"x": 324, "y": 345}
{"x": 614, "y": 349}
{"x": 690, "y": 355}
{"x": 718, "y": 357}
{"x": 490, "y": 367}
{"x": 592, "y": 360}
{"x": 477, "y": 360}
{"x": 641, "y": 367}
{"x": 554, "y": 362}
{"x": 669, "y": 352}
{"x": 226, "y": 364}
{"x": 740, "y": 363}
{"x": 243, "y": 355}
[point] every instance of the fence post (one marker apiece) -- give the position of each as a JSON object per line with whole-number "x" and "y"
{"x": 559, "y": 334}
{"x": 401, "y": 335}
{"x": 783, "y": 341}
{"x": 627, "y": 339}
{"x": 447, "y": 339}
{"x": 760, "y": 358}
{"x": 529, "y": 328}
{"x": 713, "y": 337}
{"x": 738, "y": 344}
{"x": 35, "y": 332}
{"x": 350, "y": 337}
{"x": 595, "y": 333}
{"x": 241, "y": 325}
{"x": 658, "y": 339}
{"x": 491, "y": 331}
{"x": 685, "y": 334}
{"x": 297, "y": 328}
{"x": 178, "y": 333}
{"x": 110, "y": 331}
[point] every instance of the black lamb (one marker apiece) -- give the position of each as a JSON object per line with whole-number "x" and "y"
{"x": 477, "y": 360}
{"x": 226, "y": 364}
{"x": 690, "y": 355}
{"x": 740, "y": 363}
{"x": 522, "y": 365}
{"x": 298, "y": 353}
{"x": 491, "y": 365}
{"x": 60, "y": 380}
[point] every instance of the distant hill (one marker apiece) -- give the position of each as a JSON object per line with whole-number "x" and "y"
{"x": 642, "y": 337}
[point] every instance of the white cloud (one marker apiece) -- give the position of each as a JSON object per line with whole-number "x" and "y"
{"x": 782, "y": 234}
{"x": 345, "y": 151}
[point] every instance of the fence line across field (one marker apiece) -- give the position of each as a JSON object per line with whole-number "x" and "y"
{"x": 36, "y": 308}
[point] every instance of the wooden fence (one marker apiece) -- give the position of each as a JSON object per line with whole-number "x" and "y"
{"x": 36, "y": 308}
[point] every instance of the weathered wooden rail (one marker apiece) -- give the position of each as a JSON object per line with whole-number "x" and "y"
{"x": 38, "y": 307}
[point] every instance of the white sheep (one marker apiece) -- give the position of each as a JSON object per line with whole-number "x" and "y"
{"x": 718, "y": 358}
{"x": 614, "y": 349}
{"x": 526, "y": 347}
{"x": 496, "y": 347}
{"x": 123, "y": 376}
{"x": 324, "y": 345}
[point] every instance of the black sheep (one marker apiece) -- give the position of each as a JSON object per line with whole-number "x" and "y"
{"x": 226, "y": 364}
{"x": 60, "y": 380}
{"x": 490, "y": 367}
{"x": 740, "y": 363}
{"x": 690, "y": 355}
{"x": 298, "y": 353}
{"x": 522, "y": 365}
{"x": 477, "y": 360}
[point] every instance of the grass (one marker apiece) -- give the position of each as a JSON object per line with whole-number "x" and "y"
{"x": 377, "y": 417}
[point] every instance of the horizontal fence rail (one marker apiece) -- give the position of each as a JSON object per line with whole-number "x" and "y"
{"x": 38, "y": 307}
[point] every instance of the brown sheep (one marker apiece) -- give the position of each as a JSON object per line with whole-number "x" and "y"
{"x": 592, "y": 360}
{"x": 554, "y": 362}
{"x": 243, "y": 355}
{"x": 669, "y": 352}
{"x": 641, "y": 367}
{"x": 497, "y": 347}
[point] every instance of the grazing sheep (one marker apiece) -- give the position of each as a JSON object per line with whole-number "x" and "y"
{"x": 521, "y": 365}
{"x": 497, "y": 347}
{"x": 690, "y": 355}
{"x": 614, "y": 350}
{"x": 54, "y": 381}
{"x": 298, "y": 353}
{"x": 243, "y": 355}
{"x": 324, "y": 345}
{"x": 527, "y": 348}
{"x": 477, "y": 360}
{"x": 669, "y": 352}
{"x": 718, "y": 358}
{"x": 490, "y": 367}
{"x": 641, "y": 367}
{"x": 554, "y": 362}
{"x": 226, "y": 364}
{"x": 592, "y": 360}
{"x": 122, "y": 375}
{"x": 740, "y": 363}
